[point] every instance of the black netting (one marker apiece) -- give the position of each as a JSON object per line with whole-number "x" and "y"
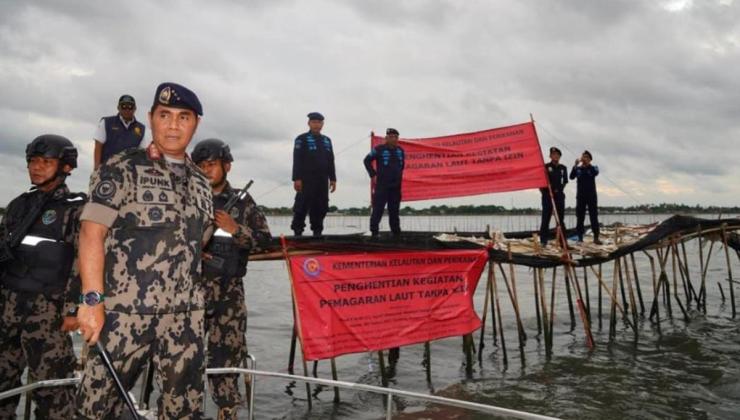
{"x": 676, "y": 225}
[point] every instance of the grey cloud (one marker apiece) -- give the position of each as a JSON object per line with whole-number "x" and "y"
{"x": 652, "y": 93}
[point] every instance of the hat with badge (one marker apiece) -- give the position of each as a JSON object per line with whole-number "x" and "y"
{"x": 177, "y": 96}
{"x": 554, "y": 149}
{"x": 391, "y": 131}
{"x": 126, "y": 99}
{"x": 315, "y": 116}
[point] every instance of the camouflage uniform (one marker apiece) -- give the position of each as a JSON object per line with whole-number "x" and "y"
{"x": 36, "y": 291}
{"x": 226, "y": 317}
{"x": 159, "y": 215}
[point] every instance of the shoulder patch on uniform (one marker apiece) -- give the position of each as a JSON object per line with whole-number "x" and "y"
{"x": 105, "y": 189}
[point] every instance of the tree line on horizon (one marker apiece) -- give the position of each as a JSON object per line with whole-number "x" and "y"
{"x": 490, "y": 209}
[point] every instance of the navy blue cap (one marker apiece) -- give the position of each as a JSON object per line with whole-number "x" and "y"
{"x": 315, "y": 116}
{"x": 177, "y": 96}
{"x": 126, "y": 99}
{"x": 389, "y": 131}
{"x": 586, "y": 152}
{"x": 554, "y": 149}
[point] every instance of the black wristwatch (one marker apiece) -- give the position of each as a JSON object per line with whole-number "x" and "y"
{"x": 92, "y": 298}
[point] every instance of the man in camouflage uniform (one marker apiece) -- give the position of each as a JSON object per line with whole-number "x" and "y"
{"x": 149, "y": 214}
{"x": 241, "y": 229}
{"x": 39, "y": 283}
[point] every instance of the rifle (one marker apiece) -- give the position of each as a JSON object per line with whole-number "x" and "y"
{"x": 216, "y": 261}
{"x": 12, "y": 238}
{"x": 239, "y": 196}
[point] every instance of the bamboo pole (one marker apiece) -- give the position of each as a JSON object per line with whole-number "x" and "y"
{"x": 428, "y": 361}
{"x": 519, "y": 325}
{"x": 536, "y": 301}
{"x": 570, "y": 301}
{"x": 284, "y": 245}
{"x": 730, "y": 285}
{"x": 493, "y": 313}
{"x": 675, "y": 283}
{"x": 481, "y": 344}
{"x": 663, "y": 282}
{"x": 613, "y": 312}
{"x": 637, "y": 285}
{"x": 381, "y": 365}
{"x": 654, "y": 308}
{"x": 631, "y": 295}
{"x": 599, "y": 289}
{"x": 581, "y": 308}
{"x": 687, "y": 271}
{"x": 683, "y": 272}
{"x": 618, "y": 266}
{"x": 552, "y": 305}
{"x": 677, "y": 264}
{"x": 498, "y": 312}
{"x": 548, "y": 333}
{"x": 468, "y": 345}
{"x": 588, "y": 298}
{"x": 612, "y": 296}
{"x": 334, "y": 377}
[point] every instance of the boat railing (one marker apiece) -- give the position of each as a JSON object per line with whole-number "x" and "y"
{"x": 389, "y": 393}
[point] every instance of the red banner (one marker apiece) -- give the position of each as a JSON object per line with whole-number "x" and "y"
{"x": 497, "y": 160}
{"x": 365, "y": 302}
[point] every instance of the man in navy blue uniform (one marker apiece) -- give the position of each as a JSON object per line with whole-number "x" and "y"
{"x": 388, "y": 174}
{"x": 118, "y": 132}
{"x": 586, "y": 174}
{"x": 558, "y": 175}
{"x": 313, "y": 176}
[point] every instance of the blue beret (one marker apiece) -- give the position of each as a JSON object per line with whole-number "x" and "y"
{"x": 390, "y": 131}
{"x": 315, "y": 116}
{"x": 554, "y": 149}
{"x": 177, "y": 96}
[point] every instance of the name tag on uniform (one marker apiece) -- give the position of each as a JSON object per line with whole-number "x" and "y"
{"x": 151, "y": 177}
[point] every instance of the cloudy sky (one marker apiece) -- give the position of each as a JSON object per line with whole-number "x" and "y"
{"x": 650, "y": 87}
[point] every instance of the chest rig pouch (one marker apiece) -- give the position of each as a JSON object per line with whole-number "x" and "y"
{"x": 43, "y": 260}
{"x": 229, "y": 260}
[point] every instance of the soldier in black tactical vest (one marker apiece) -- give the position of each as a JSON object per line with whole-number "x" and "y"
{"x": 118, "y": 132}
{"x": 39, "y": 283}
{"x": 242, "y": 228}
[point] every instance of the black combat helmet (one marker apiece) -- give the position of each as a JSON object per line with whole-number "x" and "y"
{"x": 53, "y": 146}
{"x": 211, "y": 149}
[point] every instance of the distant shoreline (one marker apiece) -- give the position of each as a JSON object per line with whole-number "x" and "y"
{"x": 490, "y": 210}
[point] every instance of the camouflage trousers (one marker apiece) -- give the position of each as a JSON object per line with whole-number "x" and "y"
{"x": 226, "y": 324}
{"x": 174, "y": 342}
{"x": 31, "y": 336}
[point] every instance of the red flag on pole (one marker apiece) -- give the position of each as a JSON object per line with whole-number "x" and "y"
{"x": 350, "y": 303}
{"x": 496, "y": 160}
